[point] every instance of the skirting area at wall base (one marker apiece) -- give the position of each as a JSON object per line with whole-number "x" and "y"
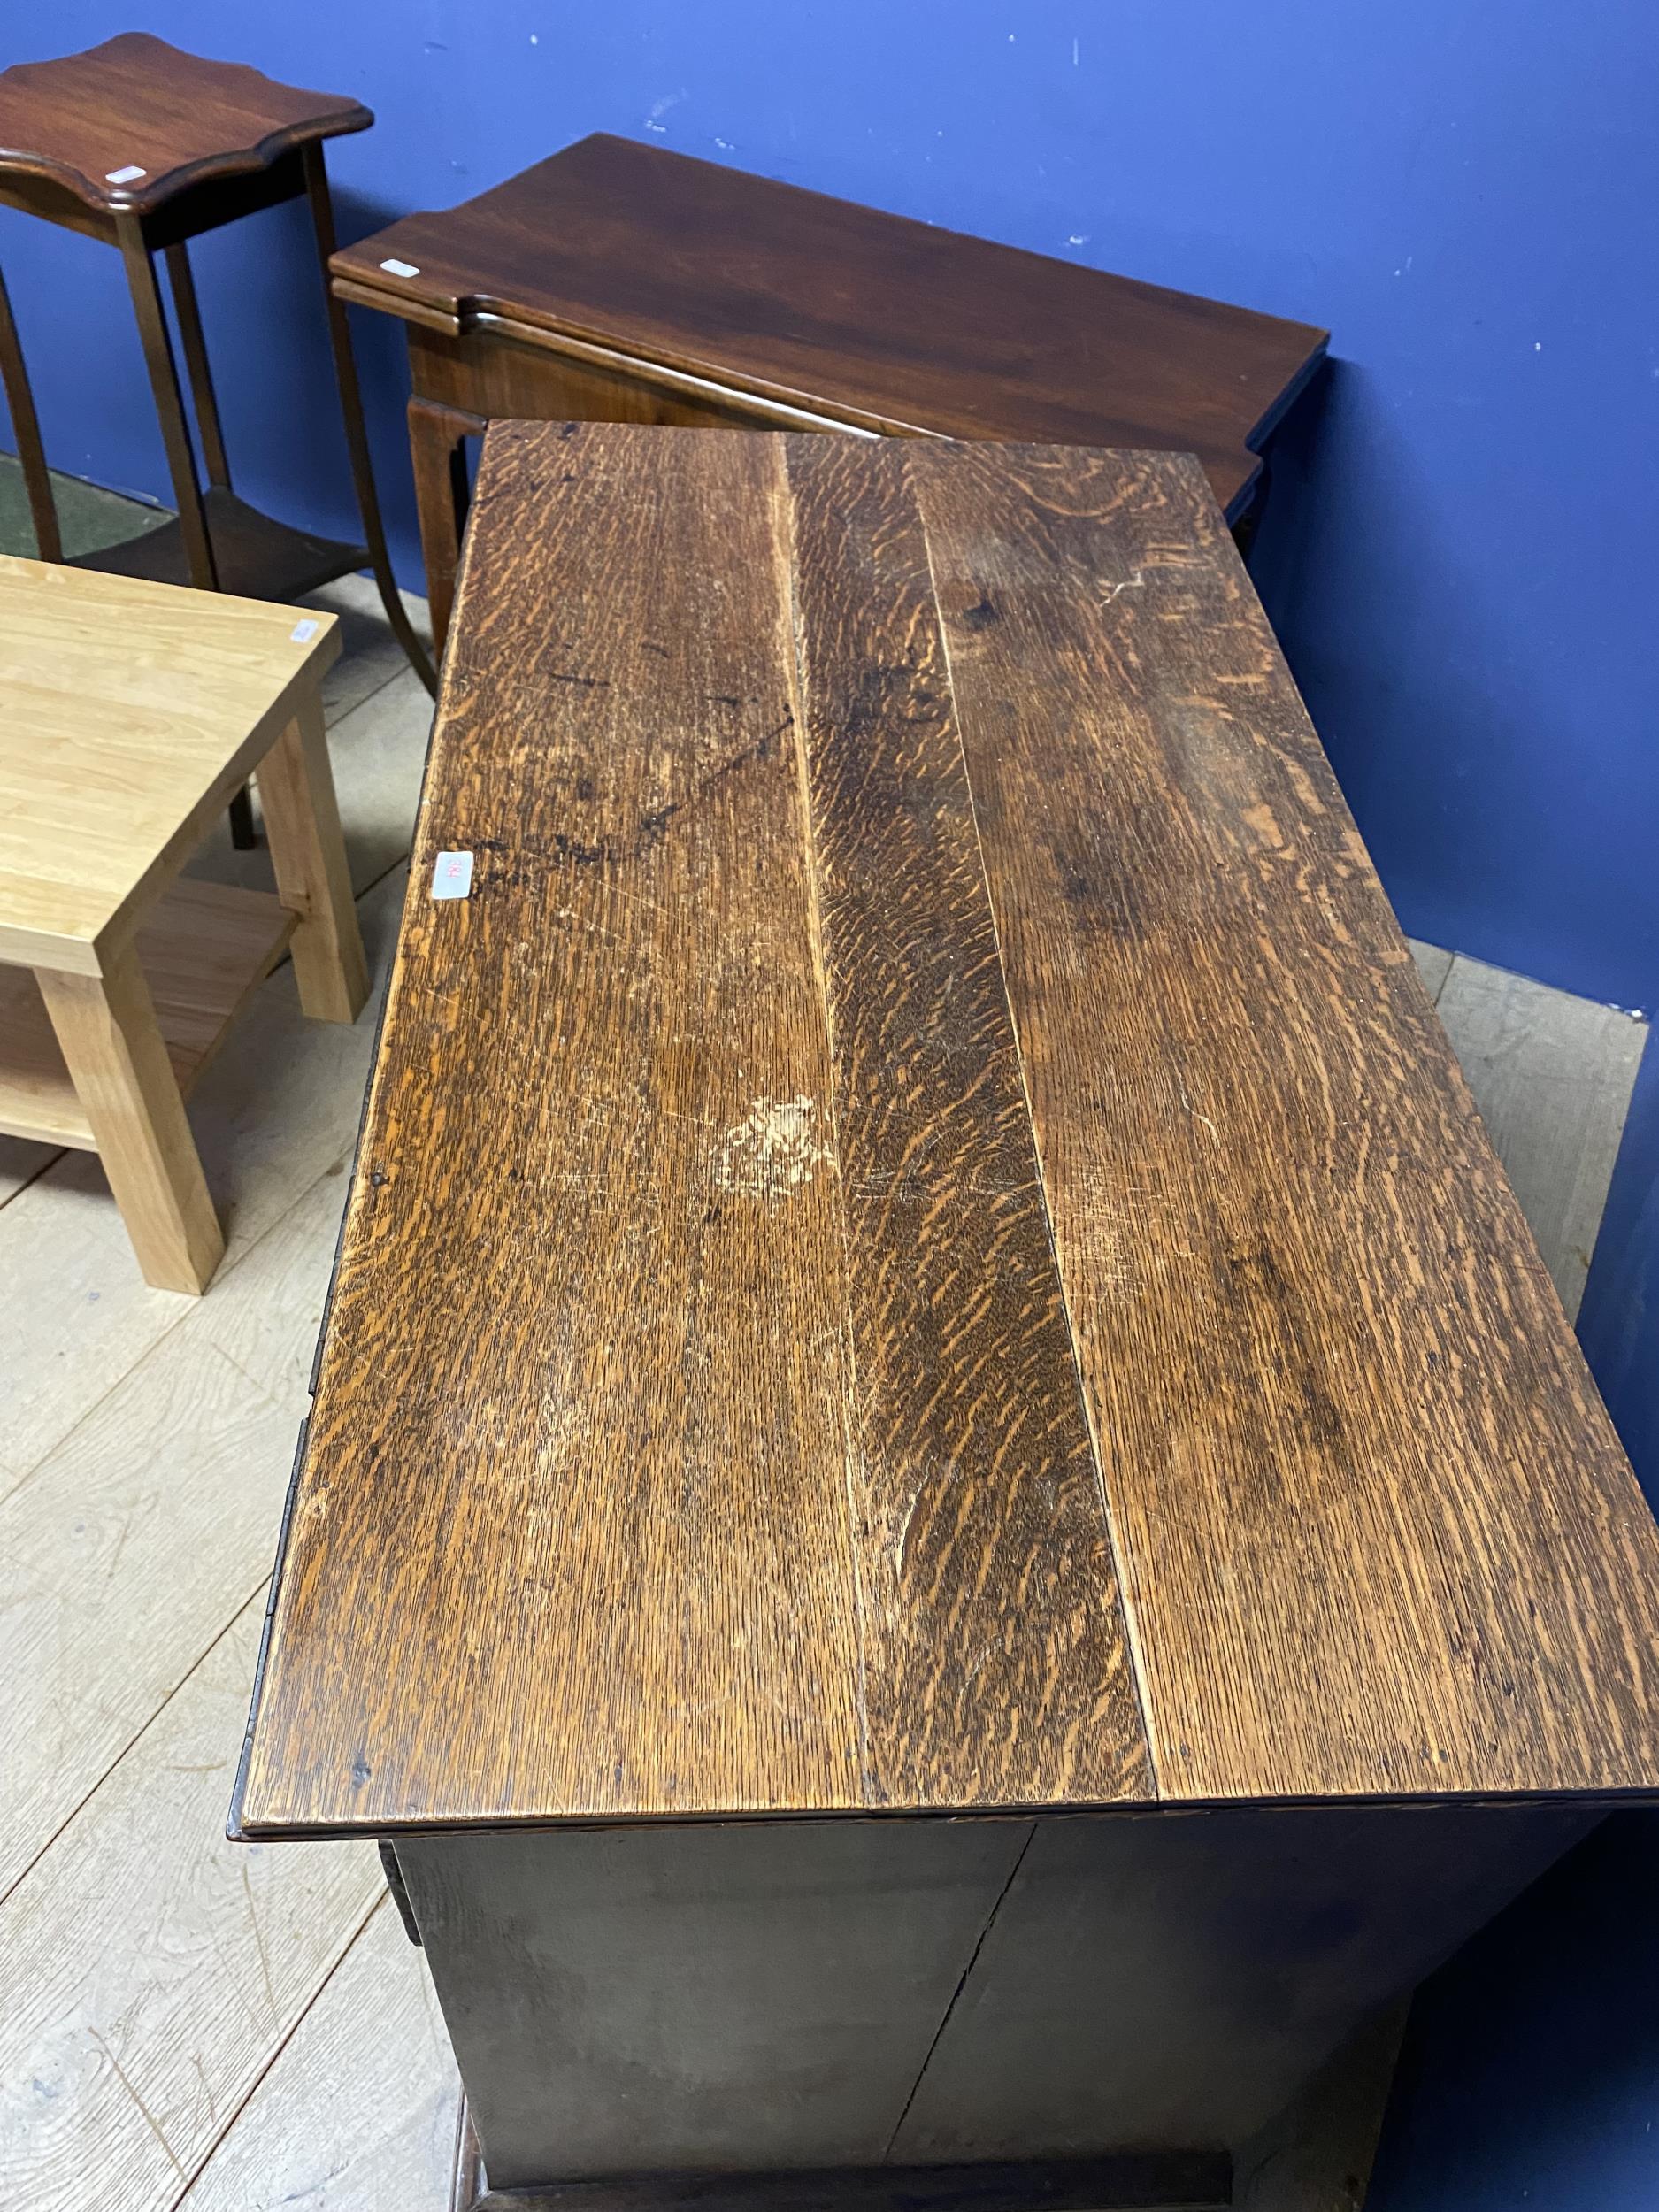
{"x": 1200, "y": 2181}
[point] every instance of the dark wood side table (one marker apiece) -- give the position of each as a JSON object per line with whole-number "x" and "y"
{"x": 623, "y": 283}
{"x": 144, "y": 147}
{"x": 947, "y": 1517}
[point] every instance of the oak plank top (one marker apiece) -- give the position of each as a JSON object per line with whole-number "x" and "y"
{"x": 872, "y": 319}
{"x": 129, "y": 712}
{"x": 918, "y": 1244}
{"x": 125, "y": 124}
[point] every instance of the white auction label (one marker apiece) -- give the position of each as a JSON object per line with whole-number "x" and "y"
{"x": 302, "y": 632}
{"x": 400, "y": 268}
{"x": 452, "y": 875}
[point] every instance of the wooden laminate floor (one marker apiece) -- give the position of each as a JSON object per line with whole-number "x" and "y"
{"x": 187, "y": 2023}
{"x": 184, "y": 2022}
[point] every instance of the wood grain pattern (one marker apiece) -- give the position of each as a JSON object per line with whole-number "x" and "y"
{"x": 136, "y": 103}
{"x": 1378, "y": 1534}
{"x": 694, "y": 1431}
{"x": 541, "y": 376}
{"x": 994, "y": 1656}
{"x": 872, "y": 319}
{"x": 637, "y": 1182}
{"x": 133, "y": 710}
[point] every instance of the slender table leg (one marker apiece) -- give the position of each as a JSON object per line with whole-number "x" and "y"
{"x": 175, "y": 433}
{"x": 26, "y": 428}
{"x": 117, "y": 1061}
{"x": 352, "y": 410}
{"x": 436, "y": 446}
{"x": 195, "y": 362}
{"x": 302, "y": 822}
{"x": 163, "y": 383}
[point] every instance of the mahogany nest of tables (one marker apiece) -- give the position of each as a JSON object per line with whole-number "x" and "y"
{"x": 949, "y": 1518}
{"x": 143, "y": 147}
{"x": 622, "y": 283}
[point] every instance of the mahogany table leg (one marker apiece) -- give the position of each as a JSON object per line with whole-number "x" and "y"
{"x": 113, "y": 1048}
{"x": 436, "y": 435}
{"x": 164, "y": 384}
{"x": 351, "y": 412}
{"x": 27, "y": 430}
{"x": 195, "y": 362}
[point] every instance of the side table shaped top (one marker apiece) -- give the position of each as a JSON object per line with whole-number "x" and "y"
{"x": 874, "y": 319}
{"x": 918, "y": 1245}
{"x": 125, "y": 124}
{"x": 129, "y": 712}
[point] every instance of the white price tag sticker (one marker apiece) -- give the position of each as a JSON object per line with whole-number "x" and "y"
{"x": 400, "y": 268}
{"x": 452, "y": 876}
{"x": 129, "y": 175}
{"x": 302, "y": 632}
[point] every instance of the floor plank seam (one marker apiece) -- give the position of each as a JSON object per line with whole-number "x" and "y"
{"x": 333, "y": 721}
{"x": 28, "y": 1182}
{"x": 213, "y": 2148}
{"x": 232, "y": 1263}
{"x": 131, "y": 1745}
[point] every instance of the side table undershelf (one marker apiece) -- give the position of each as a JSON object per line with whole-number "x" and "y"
{"x": 143, "y": 147}
{"x": 204, "y": 949}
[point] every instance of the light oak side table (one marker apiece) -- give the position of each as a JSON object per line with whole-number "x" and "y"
{"x": 129, "y": 712}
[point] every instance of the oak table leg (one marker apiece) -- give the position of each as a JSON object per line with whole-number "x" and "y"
{"x": 437, "y": 452}
{"x": 302, "y": 820}
{"x": 112, "y": 1046}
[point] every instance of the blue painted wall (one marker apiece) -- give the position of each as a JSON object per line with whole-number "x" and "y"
{"x": 1463, "y": 190}
{"x": 1460, "y": 559}
{"x": 1507, "y": 2104}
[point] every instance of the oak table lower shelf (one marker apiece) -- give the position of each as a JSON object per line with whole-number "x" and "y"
{"x": 204, "y": 949}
